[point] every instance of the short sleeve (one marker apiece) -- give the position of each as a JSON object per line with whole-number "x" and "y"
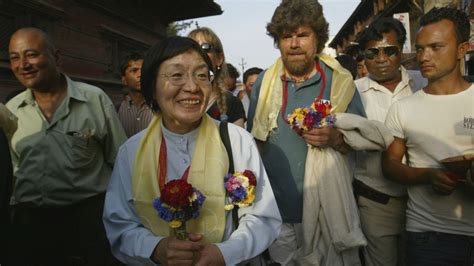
{"x": 393, "y": 121}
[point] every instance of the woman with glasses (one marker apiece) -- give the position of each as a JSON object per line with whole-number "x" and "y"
{"x": 223, "y": 106}
{"x": 182, "y": 142}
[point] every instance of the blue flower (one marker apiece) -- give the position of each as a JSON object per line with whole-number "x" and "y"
{"x": 238, "y": 194}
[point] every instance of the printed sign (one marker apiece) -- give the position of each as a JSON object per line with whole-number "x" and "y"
{"x": 404, "y": 18}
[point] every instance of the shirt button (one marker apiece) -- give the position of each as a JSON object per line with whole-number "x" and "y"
{"x": 138, "y": 118}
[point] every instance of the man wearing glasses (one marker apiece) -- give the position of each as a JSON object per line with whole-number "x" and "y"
{"x": 381, "y": 202}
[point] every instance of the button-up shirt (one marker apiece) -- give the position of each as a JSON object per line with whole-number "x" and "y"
{"x": 134, "y": 118}
{"x": 377, "y": 100}
{"x": 70, "y": 158}
{"x": 259, "y": 224}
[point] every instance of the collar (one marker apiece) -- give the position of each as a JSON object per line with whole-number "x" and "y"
{"x": 310, "y": 81}
{"x": 72, "y": 93}
{"x": 175, "y": 138}
{"x": 374, "y": 85}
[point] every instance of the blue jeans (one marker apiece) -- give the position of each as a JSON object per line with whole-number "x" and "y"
{"x": 435, "y": 248}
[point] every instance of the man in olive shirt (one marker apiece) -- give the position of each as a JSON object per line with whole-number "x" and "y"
{"x": 8, "y": 124}
{"x": 63, "y": 152}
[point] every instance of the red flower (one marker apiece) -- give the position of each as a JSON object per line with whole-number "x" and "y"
{"x": 176, "y": 193}
{"x": 251, "y": 177}
{"x": 323, "y": 107}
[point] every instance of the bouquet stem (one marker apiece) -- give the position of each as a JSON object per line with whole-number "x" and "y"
{"x": 181, "y": 232}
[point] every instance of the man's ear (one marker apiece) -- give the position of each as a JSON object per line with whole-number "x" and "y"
{"x": 58, "y": 59}
{"x": 462, "y": 49}
{"x": 124, "y": 81}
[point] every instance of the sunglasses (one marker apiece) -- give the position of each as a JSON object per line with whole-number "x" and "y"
{"x": 389, "y": 50}
{"x": 207, "y": 47}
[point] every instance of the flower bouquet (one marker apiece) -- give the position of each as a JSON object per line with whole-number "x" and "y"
{"x": 240, "y": 188}
{"x": 179, "y": 202}
{"x": 318, "y": 115}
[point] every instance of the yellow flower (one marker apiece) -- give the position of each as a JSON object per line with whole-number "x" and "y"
{"x": 250, "y": 196}
{"x": 229, "y": 207}
{"x": 242, "y": 205}
{"x": 175, "y": 224}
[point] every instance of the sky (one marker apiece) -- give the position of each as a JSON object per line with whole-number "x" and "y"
{"x": 241, "y": 28}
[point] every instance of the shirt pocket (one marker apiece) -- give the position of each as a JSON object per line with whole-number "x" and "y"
{"x": 83, "y": 148}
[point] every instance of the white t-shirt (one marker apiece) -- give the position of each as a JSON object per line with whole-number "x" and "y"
{"x": 436, "y": 127}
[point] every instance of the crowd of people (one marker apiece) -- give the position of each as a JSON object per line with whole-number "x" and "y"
{"x": 80, "y": 177}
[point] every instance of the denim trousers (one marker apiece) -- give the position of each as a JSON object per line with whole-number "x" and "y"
{"x": 435, "y": 248}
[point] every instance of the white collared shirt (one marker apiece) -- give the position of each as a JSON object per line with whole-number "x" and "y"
{"x": 377, "y": 100}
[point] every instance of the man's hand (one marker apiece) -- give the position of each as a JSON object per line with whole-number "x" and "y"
{"x": 171, "y": 250}
{"x": 326, "y": 137}
{"x": 210, "y": 255}
{"x": 440, "y": 181}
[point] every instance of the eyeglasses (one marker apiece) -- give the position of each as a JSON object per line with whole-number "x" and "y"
{"x": 202, "y": 77}
{"x": 207, "y": 47}
{"x": 389, "y": 50}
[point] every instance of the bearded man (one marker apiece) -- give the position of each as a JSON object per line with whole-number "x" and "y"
{"x": 301, "y": 75}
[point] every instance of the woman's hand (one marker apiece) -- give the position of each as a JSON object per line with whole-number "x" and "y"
{"x": 171, "y": 250}
{"x": 210, "y": 255}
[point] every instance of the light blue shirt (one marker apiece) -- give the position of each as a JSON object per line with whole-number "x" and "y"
{"x": 133, "y": 244}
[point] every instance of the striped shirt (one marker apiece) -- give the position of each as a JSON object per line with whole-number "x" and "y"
{"x": 134, "y": 119}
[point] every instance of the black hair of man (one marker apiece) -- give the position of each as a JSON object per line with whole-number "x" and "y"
{"x": 156, "y": 55}
{"x": 126, "y": 59}
{"x": 456, "y": 16}
{"x": 359, "y": 58}
{"x": 232, "y": 71}
{"x": 348, "y": 63}
{"x": 251, "y": 71}
{"x": 384, "y": 25}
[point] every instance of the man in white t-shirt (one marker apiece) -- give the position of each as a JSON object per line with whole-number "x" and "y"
{"x": 381, "y": 202}
{"x": 433, "y": 124}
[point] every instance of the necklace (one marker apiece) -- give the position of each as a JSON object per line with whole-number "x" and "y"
{"x": 317, "y": 66}
{"x": 163, "y": 167}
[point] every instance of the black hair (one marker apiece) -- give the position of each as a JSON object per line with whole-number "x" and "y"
{"x": 251, "y": 71}
{"x": 232, "y": 71}
{"x": 348, "y": 63}
{"x": 384, "y": 25}
{"x": 459, "y": 18}
{"x": 126, "y": 59}
{"x": 157, "y": 54}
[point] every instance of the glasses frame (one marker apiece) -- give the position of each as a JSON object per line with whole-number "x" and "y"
{"x": 173, "y": 82}
{"x": 384, "y": 48}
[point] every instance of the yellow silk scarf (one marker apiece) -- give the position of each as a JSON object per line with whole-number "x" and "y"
{"x": 209, "y": 165}
{"x": 271, "y": 92}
